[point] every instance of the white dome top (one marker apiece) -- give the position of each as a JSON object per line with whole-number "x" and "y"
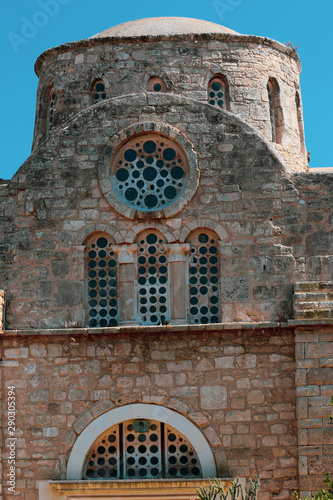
{"x": 157, "y": 26}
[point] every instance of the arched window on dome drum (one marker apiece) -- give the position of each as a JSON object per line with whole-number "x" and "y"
{"x": 152, "y": 279}
{"x": 275, "y": 110}
{"x": 142, "y": 449}
{"x": 156, "y": 84}
{"x": 300, "y": 121}
{"x": 101, "y": 282}
{"x": 50, "y": 110}
{"x": 218, "y": 92}
{"x": 204, "y": 297}
{"x": 98, "y": 92}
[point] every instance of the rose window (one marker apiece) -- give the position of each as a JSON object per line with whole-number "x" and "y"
{"x": 142, "y": 449}
{"x": 149, "y": 173}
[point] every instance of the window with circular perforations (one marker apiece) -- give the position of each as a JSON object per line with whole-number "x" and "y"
{"x": 204, "y": 278}
{"x": 98, "y": 91}
{"x": 152, "y": 279}
{"x": 149, "y": 172}
{"x": 217, "y": 92}
{"x": 141, "y": 449}
{"x": 101, "y": 264}
{"x": 156, "y": 84}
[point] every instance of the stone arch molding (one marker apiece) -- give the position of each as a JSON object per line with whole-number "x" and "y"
{"x": 138, "y": 410}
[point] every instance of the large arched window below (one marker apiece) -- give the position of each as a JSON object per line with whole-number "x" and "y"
{"x": 152, "y": 279}
{"x": 101, "y": 282}
{"x": 204, "y": 301}
{"x": 141, "y": 449}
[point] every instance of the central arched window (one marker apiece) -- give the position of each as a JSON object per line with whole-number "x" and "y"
{"x": 204, "y": 277}
{"x": 141, "y": 449}
{"x": 152, "y": 279}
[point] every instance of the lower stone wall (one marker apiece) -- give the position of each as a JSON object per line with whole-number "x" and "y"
{"x": 237, "y": 386}
{"x": 314, "y": 379}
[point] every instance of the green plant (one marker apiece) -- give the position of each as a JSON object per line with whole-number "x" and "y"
{"x": 322, "y": 494}
{"x": 236, "y": 492}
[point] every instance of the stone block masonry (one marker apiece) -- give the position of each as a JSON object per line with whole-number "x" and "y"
{"x": 313, "y": 300}
{"x": 237, "y": 386}
{"x": 314, "y": 384}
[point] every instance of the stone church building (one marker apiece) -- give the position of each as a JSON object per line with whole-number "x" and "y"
{"x": 166, "y": 272}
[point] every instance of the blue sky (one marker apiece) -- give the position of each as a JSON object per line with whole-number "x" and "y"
{"x": 307, "y": 24}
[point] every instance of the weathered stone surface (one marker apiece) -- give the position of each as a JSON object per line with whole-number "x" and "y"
{"x": 213, "y": 397}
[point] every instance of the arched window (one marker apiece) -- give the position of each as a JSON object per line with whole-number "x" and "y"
{"x": 300, "y": 121}
{"x": 101, "y": 279}
{"x": 218, "y": 92}
{"x": 142, "y": 449}
{"x": 98, "y": 92}
{"x": 156, "y": 84}
{"x": 204, "y": 294}
{"x": 152, "y": 279}
{"x": 275, "y": 110}
{"x": 50, "y": 110}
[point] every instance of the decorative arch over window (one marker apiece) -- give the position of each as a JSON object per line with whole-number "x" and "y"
{"x": 275, "y": 110}
{"x": 218, "y": 92}
{"x": 98, "y": 92}
{"x": 50, "y": 110}
{"x": 300, "y": 121}
{"x": 147, "y": 415}
{"x": 101, "y": 281}
{"x": 204, "y": 296}
{"x": 156, "y": 84}
{"x": 152, "y": 279}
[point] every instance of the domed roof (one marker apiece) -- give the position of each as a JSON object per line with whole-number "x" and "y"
{"x": 157, "y": 26}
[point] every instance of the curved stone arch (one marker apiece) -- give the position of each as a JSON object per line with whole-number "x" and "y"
{"x": 202, "y": 224}
{"x": 137, "y": 129}
{"x": 154, "y": 225}
{"x": 90, "y": 229}
{"x": 138, "y": 410}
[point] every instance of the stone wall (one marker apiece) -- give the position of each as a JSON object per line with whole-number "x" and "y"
{"x": 186, "y": 66}
{"x": 237, "y": 386}
{"x": 244, "y": 195}
{"x": 316, "y": 192}
{"x": 314, "y": 380}
{"x": 313, "y": 300}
